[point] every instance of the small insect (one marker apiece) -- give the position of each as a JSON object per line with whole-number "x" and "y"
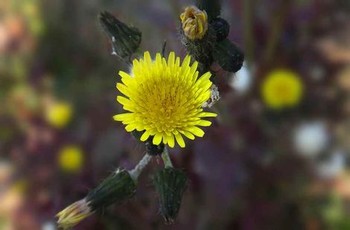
{"x": 154, "y": 150}
{"x": 151, "y": 149}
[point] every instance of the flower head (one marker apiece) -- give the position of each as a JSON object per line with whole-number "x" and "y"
{"x": 164, "y": 99}
{"x": 281, "y": 89}
{"x": 194, "y": 22}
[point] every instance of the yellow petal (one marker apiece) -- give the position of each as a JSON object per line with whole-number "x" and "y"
{"x": 123, "y": 100}
{"x": 123, "y": 116}
{"x": 123, "y": 89}
{"x": 180, "y": 140}
{"x": 204, "y": 123}
{"x": 188, "y": 135}
{"x": 196, "y": 131}
{"x": 157, "y": 139}
{"x": 147, "y": 57}
{"x": 207, "y": 114}
{"x": 130, "y": 127}
{"x": 170, "y": 140}
{"x": 145, "y": 136}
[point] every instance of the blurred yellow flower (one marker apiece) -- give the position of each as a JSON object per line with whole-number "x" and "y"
{"x": 58, "y": 114}
{"x": 281, "y": 89}
{"x": 164, "y": 99}
{"x": 70, "y": 158}
{"x": 194, "y": 22}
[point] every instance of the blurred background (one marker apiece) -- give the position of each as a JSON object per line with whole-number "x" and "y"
{"x": 276, "y": 157}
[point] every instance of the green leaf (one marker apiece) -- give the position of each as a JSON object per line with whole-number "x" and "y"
{"x": 212, "y": 7}
{"x": 125, "y": 39}
{"x": 228, "y": 56}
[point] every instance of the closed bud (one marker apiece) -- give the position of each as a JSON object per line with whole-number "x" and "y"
{"x": 116, "y": 188}
{"x": 194, "y": 22}
{"x": 170, "y": 185}
{"x": 197, "y": 35}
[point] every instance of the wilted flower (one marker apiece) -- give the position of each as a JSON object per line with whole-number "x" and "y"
{"x": 194, "y": 22}
{"x": 59, "y": 114}
{"x": 70, "y": 158}
{"x": 282, "y": 89}
{"x": 164, "y": 99}
{"x": 73, "y": 214}
{"x": 116, "y": 188}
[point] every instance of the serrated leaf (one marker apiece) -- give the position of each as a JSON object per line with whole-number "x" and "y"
{"x": 125, "y": 39}
{"x": 212, "y": 7}
{"x": 228, "y": 56}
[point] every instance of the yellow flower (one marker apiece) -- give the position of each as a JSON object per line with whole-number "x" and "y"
{"x": 194, "y": 22}
{"x": 70, "y": 158}
{"x": 281, "y": 89}
{"x": 59, "y": 114}
{"x": 164, "y": 99}
{"x": 73, "y": 214}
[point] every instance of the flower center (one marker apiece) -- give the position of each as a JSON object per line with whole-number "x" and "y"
{"x": 165, "y": 103}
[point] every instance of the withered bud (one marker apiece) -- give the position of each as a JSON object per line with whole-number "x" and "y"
{"x": 194, "y": 22}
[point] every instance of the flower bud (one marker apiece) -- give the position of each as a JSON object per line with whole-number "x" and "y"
{"x": 170, "y": 185}
{"x": 197, "y": 35}
{"x": 194, "y": 22}
{"x": 116, "y": 188}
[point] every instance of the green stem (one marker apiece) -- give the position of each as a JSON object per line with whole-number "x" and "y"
{"x": 166, "y": 158}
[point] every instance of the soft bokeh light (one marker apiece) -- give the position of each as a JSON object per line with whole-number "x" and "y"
{"x": 70, "y": 158}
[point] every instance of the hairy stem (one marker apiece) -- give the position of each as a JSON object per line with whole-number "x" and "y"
{"x": 135, "y": 173}
{"x": 166, "y": 158}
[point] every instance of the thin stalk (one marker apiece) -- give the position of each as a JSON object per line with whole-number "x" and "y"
{"x": 166, "y": 158}
{"x": 135, "y": 173}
